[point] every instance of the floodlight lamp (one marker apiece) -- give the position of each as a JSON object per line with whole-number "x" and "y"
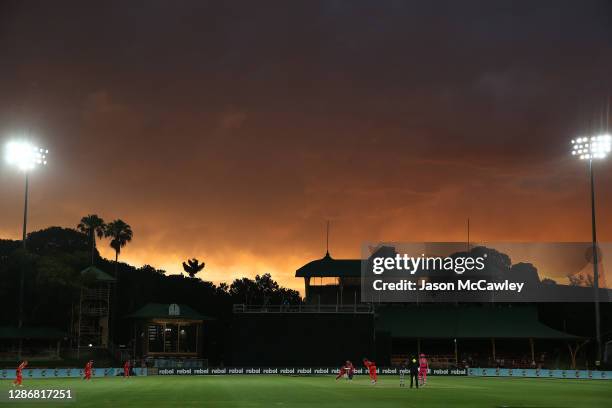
{"x": 595, "y": 147}
{"x": 25, "y": 156}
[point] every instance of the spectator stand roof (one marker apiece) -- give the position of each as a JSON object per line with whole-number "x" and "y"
{"x": 330, "y": 267}
{"x": 98, "y": 274}
{"x": 167, "y": 311}
{"x": 465, "y": 321}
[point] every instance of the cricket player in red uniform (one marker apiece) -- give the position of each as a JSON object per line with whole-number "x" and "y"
{"x": 18, "y": 374}
{"x": 347, "y": 369}
{"x": 371, "y": 366}
{"x": 88, "y": 368}
{"x": 350, "y": 369}
{"x": 126, "y": 369}
{"x": 423, "y": 366}
{"x": 341, "y": 373}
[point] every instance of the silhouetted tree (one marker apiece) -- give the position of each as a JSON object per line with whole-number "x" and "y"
{"x": 289, "y": 296}
{"x": 265, "y": 284}
{"x": 120, "y": 234}
{"x": 497, "y": 263}
{"x": 580, "y": 279}
{"x": 223, "y": 288}
{"x": 192, "y": 267}
{"x": 150, "y": 269}
{"x": 262, "y": 290}
{"x": 244, "y": 289}
{"x": 54, "y": 240}
{"x": 92, "y": 226}
{"x": 525, "y": 272}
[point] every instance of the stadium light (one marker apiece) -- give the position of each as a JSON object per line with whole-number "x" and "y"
{"x": 26, "y": 157}
{"x": 593, "y": 148}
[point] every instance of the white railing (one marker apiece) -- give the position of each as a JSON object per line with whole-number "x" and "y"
{"x": 306, "y": 308}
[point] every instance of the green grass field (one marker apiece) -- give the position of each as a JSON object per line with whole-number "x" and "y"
{"x": 321, "y": 392}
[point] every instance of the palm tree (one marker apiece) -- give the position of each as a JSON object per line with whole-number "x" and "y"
{"x": 92, "y": 226}
{"x": 120, "y": 234}
{"x": 192, "y": 267}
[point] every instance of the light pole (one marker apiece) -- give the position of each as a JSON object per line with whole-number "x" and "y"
{"x": 26, "y": 157}
{"x": 593, "y": 148}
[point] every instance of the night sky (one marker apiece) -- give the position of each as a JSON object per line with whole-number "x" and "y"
{"x": 232, "y": 131}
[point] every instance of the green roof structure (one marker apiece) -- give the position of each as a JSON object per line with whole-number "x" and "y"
{"x": 445, "y": 321}
{"x": 167, "y": 311}
{"x": 330, "y": 267}
{"x": 99, "y": 274}
{"x": 44, "y": 333}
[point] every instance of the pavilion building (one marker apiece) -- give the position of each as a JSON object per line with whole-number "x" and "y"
{"x": 168, "y": 332}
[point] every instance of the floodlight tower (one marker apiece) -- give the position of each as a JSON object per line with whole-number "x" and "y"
{"x": 593, "y": 148}
{"x": 26, "y": 157}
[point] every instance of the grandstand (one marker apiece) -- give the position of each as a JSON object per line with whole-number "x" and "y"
{"x": 470, "y": 335}
{"x": 452, "y": 335}
{"x": 41, "y": 343}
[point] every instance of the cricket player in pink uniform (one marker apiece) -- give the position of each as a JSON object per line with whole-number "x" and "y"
{"x": 423, "y": 366}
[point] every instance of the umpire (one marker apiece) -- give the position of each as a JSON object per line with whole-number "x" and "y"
{"x": 413, "y": 366}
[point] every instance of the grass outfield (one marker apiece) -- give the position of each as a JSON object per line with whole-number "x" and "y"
{"x": 321, "y": 392}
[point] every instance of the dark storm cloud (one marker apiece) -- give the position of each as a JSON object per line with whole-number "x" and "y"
{"x": 235, "y": 129}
